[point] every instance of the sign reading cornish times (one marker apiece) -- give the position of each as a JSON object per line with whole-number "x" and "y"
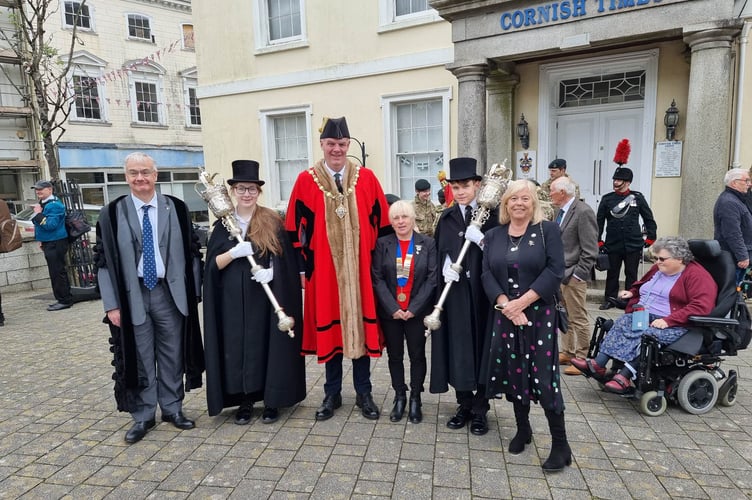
{"x": 570, "y": 10}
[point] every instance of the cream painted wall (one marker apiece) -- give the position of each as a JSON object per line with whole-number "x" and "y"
{"x": 108, "y": 40}
{"x": 225, "y": 140}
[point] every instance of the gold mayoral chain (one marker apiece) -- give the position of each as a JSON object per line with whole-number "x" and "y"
{"x": 341, "y": 211}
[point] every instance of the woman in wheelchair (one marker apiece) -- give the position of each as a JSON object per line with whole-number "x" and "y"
{"x": 659, "y": 305}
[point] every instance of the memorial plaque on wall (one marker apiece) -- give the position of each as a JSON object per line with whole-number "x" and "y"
{"x": 668, "y": 156}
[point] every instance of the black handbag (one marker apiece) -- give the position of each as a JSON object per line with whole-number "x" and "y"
{"x": 76, "y": 224}
{"x": 601, "y": 262}
{"x": 562, "y": 318}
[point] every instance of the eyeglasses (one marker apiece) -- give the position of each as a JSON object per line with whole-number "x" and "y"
{"x": 663, "y": 259}
{"x": 144, "y": 173}
{"x": 244, "y": 190}
{"x": 746, "y": 181}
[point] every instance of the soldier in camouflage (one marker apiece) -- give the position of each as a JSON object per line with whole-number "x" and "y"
{"x": 425, "y": 210}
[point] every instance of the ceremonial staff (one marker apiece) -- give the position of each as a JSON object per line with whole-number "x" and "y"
{"x": 493, "y": 186}
{"x": 216, "y": 196}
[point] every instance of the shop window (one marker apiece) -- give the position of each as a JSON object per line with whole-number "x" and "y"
{"x": 602, "y": 89}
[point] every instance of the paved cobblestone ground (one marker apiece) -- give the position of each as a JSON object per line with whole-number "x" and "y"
{"x": 61, "y": 437}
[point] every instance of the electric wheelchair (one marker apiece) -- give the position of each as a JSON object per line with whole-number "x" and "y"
{"x": 688, "y": 371}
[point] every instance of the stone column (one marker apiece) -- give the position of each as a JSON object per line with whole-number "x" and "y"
{"x": 471, "y": 103}
{"x": 500, "y": 122}
{"x": 706, "y": 145}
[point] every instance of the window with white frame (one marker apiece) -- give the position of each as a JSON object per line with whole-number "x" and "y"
{"x": 279, "y": 23}
{"x": 76, "y": 14}
{"x": 418, "y": 144}
{"x": 88, "y": 93}
{"x": 396, "y": 14}
{"x": 190, "y": 104}
{"x": 87, "y": 103}
{"x": 146, "y": 95}
{"x": 139, "y": 27}
{"x": 286, "y": 146}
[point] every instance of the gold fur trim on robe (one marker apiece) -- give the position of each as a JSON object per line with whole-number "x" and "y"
{"x": 344, "y": 242}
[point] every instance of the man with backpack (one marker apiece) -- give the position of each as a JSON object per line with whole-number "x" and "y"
{"x": 49, "y": 230}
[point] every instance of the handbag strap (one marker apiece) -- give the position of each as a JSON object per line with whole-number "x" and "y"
{"x": 543, "y": 237}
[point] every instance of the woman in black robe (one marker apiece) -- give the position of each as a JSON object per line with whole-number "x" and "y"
{"x": 248, "y": 359}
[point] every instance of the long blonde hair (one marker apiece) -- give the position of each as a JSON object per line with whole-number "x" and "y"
{"x": 513, "y": 188}
{"x": 263, "y": 231}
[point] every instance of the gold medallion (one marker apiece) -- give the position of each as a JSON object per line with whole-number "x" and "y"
{"x": 401, "y": 297}
{"x": 341, "y": 211}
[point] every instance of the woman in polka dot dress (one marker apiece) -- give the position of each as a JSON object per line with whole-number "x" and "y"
{"x": 523, "y": 264}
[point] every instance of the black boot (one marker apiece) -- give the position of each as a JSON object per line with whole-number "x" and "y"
{"x": 524, "y": 431}
{"x": 400, "y": 401}
{"x": 415, "y": 414}
{"x": 561, "y": 453}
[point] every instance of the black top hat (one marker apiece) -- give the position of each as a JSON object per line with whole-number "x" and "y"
{"x": 422, "y": 185}
{"x": 245, "y": 171}
{"x": 334, "y": 128}
{"x": 623, "y": 174}
{"x": 558, "y": 163}
{"x": 462, "y": 169}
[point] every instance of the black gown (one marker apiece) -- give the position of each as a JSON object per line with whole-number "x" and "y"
{"x": 458, "y": 346}
{"x": 245, "y": 351}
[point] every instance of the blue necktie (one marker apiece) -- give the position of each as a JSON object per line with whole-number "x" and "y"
{"x": 150, "y": 263}
{"x": 560, "y": 217}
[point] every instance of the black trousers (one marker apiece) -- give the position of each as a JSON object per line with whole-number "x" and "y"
{"x": 54, "y": 254}
{"x": 631, "y": 262}
{"x": 396, "y": 332}
{"x": 477, "y": 402}
{"x": 361, "y": 372}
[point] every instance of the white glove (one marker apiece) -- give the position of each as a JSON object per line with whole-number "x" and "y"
{"x": 242, "y": 249}
{"x": 449, "y": 273}
{"x": 263, "y": 275}
{"x": 474, "y": 234}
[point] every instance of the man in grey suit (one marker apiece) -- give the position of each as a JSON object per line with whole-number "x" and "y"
{"x": 149, "y": 279}
{"x": 579, "y": 234}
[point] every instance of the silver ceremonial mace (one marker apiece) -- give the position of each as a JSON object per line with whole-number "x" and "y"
{"x": 493, "y": 186}
{"x": 216, "y": 196}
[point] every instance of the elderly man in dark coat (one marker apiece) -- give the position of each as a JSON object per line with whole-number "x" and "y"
{"x": 732, "y": 220}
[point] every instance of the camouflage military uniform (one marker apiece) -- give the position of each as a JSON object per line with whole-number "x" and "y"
{"x": 425, "y": 215}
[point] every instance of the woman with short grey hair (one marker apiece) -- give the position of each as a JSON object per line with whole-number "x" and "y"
{"x": 660, "y": 304}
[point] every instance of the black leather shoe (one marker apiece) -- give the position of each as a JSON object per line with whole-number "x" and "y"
{"x": 270, "y": 415}
{"x": 330, "y": 403}
{"x": 244, "y": 414}
{"x": 179, "y": 420}
{"x": 400, "y": 401}
{"x": 460, "y": 418}
{"x": 415, "y": 415}
{"x": 367, "y": 406}
{"x": 479, "y": 425}
{"x": 606, "y": 305}
{"x": 58, "y": 307}
{"x": 138, "y": 431}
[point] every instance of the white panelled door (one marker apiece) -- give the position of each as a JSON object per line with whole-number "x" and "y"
{"x": 588, "y": 141}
